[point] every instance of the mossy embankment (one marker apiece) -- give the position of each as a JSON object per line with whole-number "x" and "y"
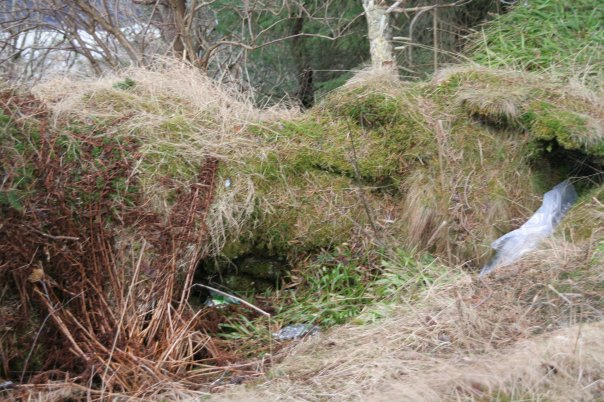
{"x": 443, "y": 167}
{"x": 123, "y": 195}
{"x": 375, "y": 208}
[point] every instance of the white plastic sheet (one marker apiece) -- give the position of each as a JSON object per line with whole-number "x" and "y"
{"x": 511, "y": 246}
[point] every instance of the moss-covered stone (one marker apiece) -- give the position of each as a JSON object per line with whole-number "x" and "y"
{"x": 571, "y": 130}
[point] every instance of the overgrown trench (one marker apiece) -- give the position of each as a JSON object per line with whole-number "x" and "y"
{"x": 584, "y": 171}
{"x": 244, "y": 275}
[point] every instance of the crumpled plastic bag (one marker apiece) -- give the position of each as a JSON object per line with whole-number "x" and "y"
{"x": 511, "y": 246}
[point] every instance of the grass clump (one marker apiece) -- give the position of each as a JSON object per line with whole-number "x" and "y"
{"x": 584, "y": 221}
{"x": 126, "y": 84}
{"x": 331, "y": 290}
{"x": 335, "y": 287}
{"x": 545, "y": 35}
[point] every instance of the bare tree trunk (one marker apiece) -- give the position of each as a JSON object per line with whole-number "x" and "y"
{"x": 306, "y": 91}
{"x": 181, "y": 44}
{"x": 380, "y": 33}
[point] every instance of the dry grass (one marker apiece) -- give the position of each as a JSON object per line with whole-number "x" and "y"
{"x": 62, "y": 391}
{"x": 529, "y": 332}
{"x": 380, "y": 78}
{"x": 565, "y": 364}
{"x": 469, "y": 192}
{"x": 497, "y": 105}
{"x": 182, "y": 118}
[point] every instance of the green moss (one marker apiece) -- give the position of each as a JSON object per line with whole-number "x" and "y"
{"x": 237, "y": 248}
{"x": 549, "y": 112}
{"x": 263, "y": 268}
{"x": 294, "y": 211}
{"x": 551, "y": 123}
{"x": 300, "y": 129}
{"x": 239, "y": 283}
{"x": 475, "y": 177}
{"x": 367, "y": 107}
{"x": 125, "y": 84}
{"x": 301, "y": 218}
{"x": 165, "y": 160}
{"x": 373, "y": 110}
{"x": 4, "y": 120}
{"x": 320, "y": 141}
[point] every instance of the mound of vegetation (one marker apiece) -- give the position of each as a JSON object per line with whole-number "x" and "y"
{"x": 443, "y": 167}
{"x": 113, "y": 191}
{"x": 118, "y": 195}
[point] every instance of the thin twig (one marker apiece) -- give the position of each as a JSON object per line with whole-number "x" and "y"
{"x": 35, "y": 341}
{"x": 357, "y": 175}
{"x": 427, "y": 8}
{"x": 54, "y": 237}
{"x": 250, "y": 305}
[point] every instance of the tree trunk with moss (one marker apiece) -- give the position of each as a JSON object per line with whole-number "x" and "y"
{"x": 380, "y": 33}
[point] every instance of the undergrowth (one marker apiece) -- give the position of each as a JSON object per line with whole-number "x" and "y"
{"x": 444, "y": 168}
{"x": 364, "y": 217}
{"x": 345, "y": 285}
{"x": 106, "y": 187}
{"x": 532, "y": 330}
